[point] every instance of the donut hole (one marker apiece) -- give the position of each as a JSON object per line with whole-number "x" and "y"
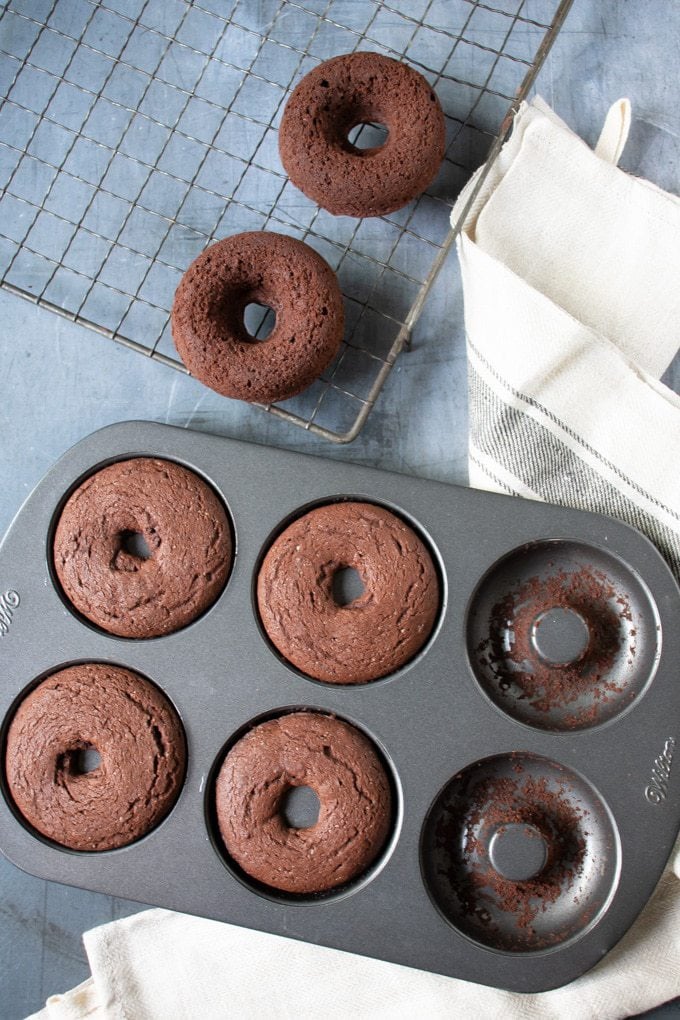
{"x": 300, "y": 807}
{"x": 259, "y": 320}
{"x": 134, "y": 544}
{"x": 346, "y": 586}
{"x": 79, "y": 761}
{"x": 367, "y": 135}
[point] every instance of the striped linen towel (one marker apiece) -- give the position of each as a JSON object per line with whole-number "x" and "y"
{"x": 571, "y": 277}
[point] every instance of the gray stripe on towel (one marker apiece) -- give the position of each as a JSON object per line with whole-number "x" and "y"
{"x": 536, "y": 457}
{"x": 532, "y": 402}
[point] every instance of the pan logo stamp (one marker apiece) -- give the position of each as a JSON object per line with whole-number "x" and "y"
{"x": 8, "y": 603}
{"x": 657, "y": 789}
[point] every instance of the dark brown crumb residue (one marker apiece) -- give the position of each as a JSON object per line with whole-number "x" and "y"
{"x": 483, "y": 894}
{"x": 509, "y": 653}
{"x": 531, "y": 802}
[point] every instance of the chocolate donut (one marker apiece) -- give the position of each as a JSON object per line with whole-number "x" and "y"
{"x": 374, "y": 634}
{"x": 95, "y": 707}
{"x": 269, "y": 269}
{"x": 336, "y": 761}
{"x": 110, "y": 579}
{"x": 335, "y": 97}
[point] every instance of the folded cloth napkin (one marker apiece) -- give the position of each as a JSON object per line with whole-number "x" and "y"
{"x": 572, "y": 309}
{"x": 159, "y": 965}
{"x": 570, "y": 271}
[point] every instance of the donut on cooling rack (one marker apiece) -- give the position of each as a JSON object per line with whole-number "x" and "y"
{"x": 142, "y": 547}
{"x": 269, "y": 269}
{"x": 372, "y": 635}
{"x": 340, "y": 765}
{"x": 139, "y": 741}
{"x": 337, "y": 96}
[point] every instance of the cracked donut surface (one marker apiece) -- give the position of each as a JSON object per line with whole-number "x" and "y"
{"x": 258, "y": 267}
{"x": 371, "y": 636}
{"x": 355, "y": 804}
{"x": 336, "y": 96}
{"x": 135, "y": 731}
{"x": 187, "y": 536}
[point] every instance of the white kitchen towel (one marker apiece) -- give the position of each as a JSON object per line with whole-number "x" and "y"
{"x": 570, "y": 271}
{"x": 159, "y": 965}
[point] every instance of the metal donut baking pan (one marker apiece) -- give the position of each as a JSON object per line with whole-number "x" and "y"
{"x": 530, "y": 743}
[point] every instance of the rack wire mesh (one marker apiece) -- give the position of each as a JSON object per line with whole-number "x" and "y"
{"x": 135, "y": 132}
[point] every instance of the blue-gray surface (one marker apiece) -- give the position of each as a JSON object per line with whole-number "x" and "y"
{"x": 60, "y": 382}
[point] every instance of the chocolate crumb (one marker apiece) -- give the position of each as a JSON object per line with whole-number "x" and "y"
{"x": 509, "y": 655}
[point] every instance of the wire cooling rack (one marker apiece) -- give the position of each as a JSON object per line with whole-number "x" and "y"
{"x": 135, "y": 132}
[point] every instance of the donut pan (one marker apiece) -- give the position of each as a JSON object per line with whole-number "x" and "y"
{"x": 530, "y": 743}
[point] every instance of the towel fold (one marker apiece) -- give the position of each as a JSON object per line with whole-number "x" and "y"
{"x": 159, "y": 965}
{"x": 572, "y": 309}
